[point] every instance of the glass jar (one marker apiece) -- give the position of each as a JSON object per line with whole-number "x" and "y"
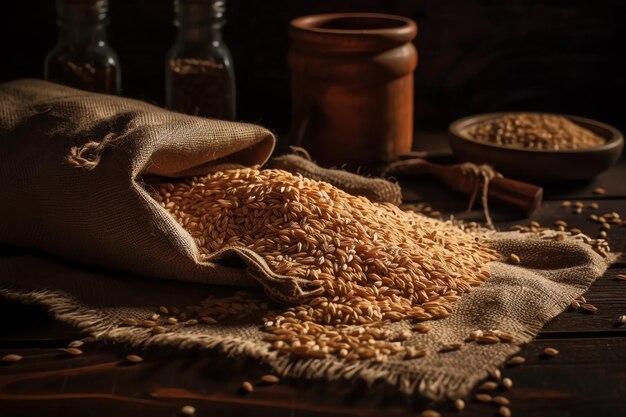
{"x": 82, "y": 57}
{"x": 199, "y": 77}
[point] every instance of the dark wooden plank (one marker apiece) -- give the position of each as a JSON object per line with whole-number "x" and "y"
{"x": 587, "y": 375}
{"x": 167, "y": 378}
{"x": 585, "y": 379}
{"x": 552, "y": 210}
{"x": 609, "y": 296}
{"x": 30, "y": 325}
{"x": 426, "y": 189}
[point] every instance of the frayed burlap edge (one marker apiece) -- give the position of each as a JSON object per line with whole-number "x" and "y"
{"x": 431, "y": 385}
{"x": 430, "y": 376}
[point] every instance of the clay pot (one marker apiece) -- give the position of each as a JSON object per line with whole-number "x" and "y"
{"x": 352, "y": 87}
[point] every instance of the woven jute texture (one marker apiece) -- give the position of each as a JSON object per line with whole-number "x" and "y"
{"x": 375, "y": 189}
{"x": 519, "y": 299}
{"x": 75, "y": 162}
{"x": 75, "y": 170}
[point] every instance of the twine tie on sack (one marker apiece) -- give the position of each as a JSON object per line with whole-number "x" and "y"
{"x": 88, "y": 154}
{"x": 477, "y": 176}
{"x": 301, "y": 152}
{"x": 482, "y": 174}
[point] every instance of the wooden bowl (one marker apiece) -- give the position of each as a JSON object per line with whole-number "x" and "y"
{"x": 538, "y": 165}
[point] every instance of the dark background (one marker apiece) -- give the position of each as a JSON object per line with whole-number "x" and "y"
{"x": 475, "y": 56}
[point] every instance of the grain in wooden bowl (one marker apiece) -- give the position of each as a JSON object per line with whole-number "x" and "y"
{"x": 538, "y": 147}
{"x": 535, "y": 131}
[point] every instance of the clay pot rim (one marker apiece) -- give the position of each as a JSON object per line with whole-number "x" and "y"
{"x": 308, "y": 28}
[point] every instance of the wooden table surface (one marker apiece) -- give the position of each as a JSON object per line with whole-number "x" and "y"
{"x": 588, "y": 377}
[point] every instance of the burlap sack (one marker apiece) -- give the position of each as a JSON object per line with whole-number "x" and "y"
{"x": 375, "y": 189}
{"x": 71, "y": 168}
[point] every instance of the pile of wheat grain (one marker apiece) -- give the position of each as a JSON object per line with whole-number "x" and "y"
{"x": 374, "y": 262}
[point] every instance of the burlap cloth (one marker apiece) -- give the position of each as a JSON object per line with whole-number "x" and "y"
{"x": 72, "y": 172}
